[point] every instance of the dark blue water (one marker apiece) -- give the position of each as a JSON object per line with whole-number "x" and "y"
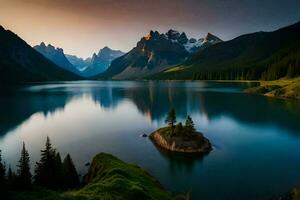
{"x": 256, "y": 139}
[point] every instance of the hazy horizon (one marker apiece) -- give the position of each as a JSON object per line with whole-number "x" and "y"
{"x": 83, "y": 27}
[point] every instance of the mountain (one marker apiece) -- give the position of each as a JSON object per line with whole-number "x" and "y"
{"x": 79, "y": 63}
{"x": 96, "y": 64}
{"x": 154, "y": 52}
{"x": 100, "y": 62}
{"x": 19, "y": 62}
{"x": 56, "y": 55}
{"x": 260, "y": 55}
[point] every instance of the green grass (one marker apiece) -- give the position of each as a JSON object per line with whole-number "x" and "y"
{"x": 167, "y": 131}
{"x": 282, "y": 88}
{"x": 174, "y": 69}
{"x": 36, "y": 194}
{"x": 109, "y": 178}
{"x": 112, "y": 179}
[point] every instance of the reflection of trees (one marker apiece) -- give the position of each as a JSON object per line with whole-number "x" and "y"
{"x": 153, "y": 99}
{"x": 17, "y": 107}
{"x": 180, "y": 161}
{"x": 251, "y": 109}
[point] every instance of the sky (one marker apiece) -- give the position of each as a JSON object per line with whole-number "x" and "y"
{"x": 82, "y": 27}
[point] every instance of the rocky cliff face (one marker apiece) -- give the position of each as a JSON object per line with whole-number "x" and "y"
{"x": 153, "y": 53}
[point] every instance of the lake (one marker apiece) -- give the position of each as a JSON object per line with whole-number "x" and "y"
{"x": 256, "y": 140}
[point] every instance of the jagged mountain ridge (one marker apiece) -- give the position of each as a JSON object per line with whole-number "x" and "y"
{"x": 56, "y": 55}
{"x": 259, "y": 55}
{"x": 154, "y": 52}
{"x": 97, "y": 63}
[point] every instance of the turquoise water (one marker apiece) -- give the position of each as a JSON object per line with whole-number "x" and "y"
{"x": 256, "y": 140}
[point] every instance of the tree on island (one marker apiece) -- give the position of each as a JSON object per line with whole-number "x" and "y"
{"x": 189, "y": 125}
{"x": 70, "y": 175}
{"x": 23, "y": 172}
{"x": 171, "y": 119}
{"x": 179, "y": 130}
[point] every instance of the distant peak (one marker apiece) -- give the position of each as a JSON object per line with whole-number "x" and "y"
{"x": 173, "y": 34}
{"x": 105, "y": 49}
{"x": 151, "y": 34}
{"x": 173, "y": 31}
{"x": 183, "y": 39}
{"x": 211, "y": 37}
{"x": 42, "y": 44}
{"x": 94, "y": 55}
{"x": 60, "y": 50}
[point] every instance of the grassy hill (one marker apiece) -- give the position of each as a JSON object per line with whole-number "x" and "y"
{"x": 108, "y": 178}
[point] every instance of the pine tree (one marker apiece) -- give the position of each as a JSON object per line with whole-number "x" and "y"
{"x": 23, "y": 172}
{"x": 70, "y": 175}
{"x": 171, "y": 119}
{"x": 45, "y": 170}
{"x": 11, "y": 177}
{"x": 2, "y": 172}
{"x": 189, "y": 125}
{"x": 179, "y": 129}
{"x": 58, "y": 170}
{"x": 9, "y": 173}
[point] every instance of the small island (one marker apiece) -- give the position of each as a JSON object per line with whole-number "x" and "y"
{"x": 179, "y": 138}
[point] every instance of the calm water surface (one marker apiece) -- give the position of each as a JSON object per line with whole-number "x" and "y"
{"x": 256, "y": 139}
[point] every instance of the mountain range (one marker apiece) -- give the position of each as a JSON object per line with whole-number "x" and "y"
{"x": 154, "y": 52}
{"x": 83, "y": 67}
{"x": 19, "y": 62}
{"x": 255, "y": 56}
{"x": 100, "y": 62}
{"x": 170, "y": 55}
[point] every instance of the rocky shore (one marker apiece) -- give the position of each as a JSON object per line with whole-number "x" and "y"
{"x": 194, "y": 143}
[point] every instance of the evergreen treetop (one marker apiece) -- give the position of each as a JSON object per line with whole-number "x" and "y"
{"x": 2, "y": 171}
{"x": 171, "y": 119}
{"x": 189, "y": 125}
{"x": 70, "y": 175}
{"x": 23, "y": 172}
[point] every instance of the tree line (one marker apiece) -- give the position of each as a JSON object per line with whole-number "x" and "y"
{"x": 278, "y": 67}
{"x": 50, "y": 171}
